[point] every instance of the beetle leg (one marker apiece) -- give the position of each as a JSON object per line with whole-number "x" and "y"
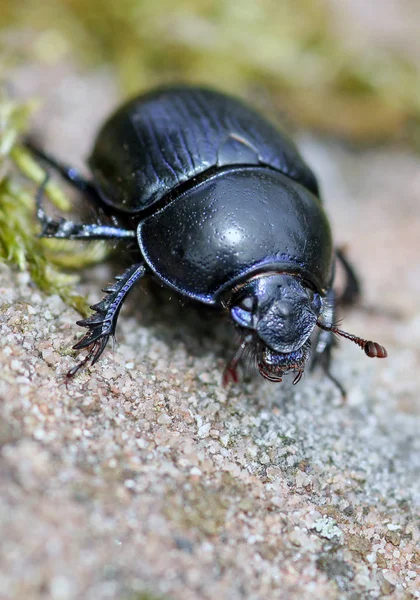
{"x": 323, "y": 359}
{"x": 326, "y": 342}
{"x": 67, "y": 230}
{"x": 351, "y": 292}
{"x": 298, "y": 377}
{"x": 93, "y": 355}
{"x": 75, "y": 179}
{"x": 231, "y": 370}
{"x": 70, "y": 174}
{"x": 101, "y": 325}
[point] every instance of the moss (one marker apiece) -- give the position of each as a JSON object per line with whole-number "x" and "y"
{"x": 19, "y": 242}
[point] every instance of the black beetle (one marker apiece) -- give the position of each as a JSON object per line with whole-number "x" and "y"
{"x": 225, "y": 212}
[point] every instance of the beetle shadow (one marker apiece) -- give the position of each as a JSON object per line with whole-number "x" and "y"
{"x": 202, "y": 330}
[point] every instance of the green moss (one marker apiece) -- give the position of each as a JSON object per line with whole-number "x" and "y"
{"x": 19, "y": 241}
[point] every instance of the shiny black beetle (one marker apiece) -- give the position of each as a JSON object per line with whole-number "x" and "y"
{"x": 225, "y": 212}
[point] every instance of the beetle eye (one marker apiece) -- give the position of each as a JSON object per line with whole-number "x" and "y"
{"x": 242, "y": 311}
{"x": 314, "y": 299}
{"x": 246, "y": 303}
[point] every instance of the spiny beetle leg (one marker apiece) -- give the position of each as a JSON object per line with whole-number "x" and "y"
{"x": 102, "y": 323}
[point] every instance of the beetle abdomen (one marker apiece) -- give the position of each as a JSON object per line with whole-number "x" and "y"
{"x": 157, "y": 141}
{"x": 239, "y": 221}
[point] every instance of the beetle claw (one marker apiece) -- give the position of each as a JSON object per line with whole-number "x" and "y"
{"x": 269, "y": 376}
{"x": 95, "y": 351}
{"x": 298, "y": 377}
{"x": 230, "y": 375}
{"x": 231, "y": 370}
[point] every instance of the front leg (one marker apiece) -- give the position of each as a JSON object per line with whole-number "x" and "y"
{"x": 351, "y": 293}
{"x": 325, "y": 322}
{"x": 70, "y": 174}
{"x": 101, "y": 325}
{"x": 326, "y": 341}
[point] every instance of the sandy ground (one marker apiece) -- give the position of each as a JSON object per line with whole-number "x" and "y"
{"x": 144, "y": 478}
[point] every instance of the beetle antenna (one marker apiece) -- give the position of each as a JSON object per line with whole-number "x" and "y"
{"x": 371, "y": 349}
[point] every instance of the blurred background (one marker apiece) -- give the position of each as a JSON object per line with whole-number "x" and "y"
{"x": 342, "y": 67}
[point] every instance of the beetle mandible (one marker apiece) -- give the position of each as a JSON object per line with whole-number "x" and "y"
{"x": 222, "y": 209}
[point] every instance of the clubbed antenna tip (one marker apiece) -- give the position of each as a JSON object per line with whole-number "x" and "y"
{"x": 371, "y": 349}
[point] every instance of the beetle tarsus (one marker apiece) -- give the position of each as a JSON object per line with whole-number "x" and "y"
{"x": 352, "y": 289}
{"x": 269, "y": 376}
{"x": 337, "y": 383}
{"x": 102, "y": 323}
{"x": 298, "y": 377}
{"x": 230, "y": 374}
{"x": 92, "y": 356}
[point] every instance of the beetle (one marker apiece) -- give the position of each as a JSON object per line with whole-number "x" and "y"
{"x": 220, "y": 207}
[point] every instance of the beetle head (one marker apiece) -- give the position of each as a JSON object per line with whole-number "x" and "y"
{"x": 278, "y": 314}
